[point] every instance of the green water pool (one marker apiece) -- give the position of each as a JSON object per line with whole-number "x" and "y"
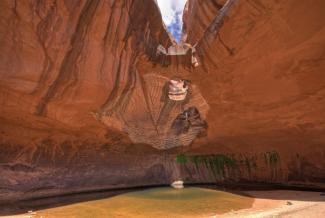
{"x": 155, "y": 202}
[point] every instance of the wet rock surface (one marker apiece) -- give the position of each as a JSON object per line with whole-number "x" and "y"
{"x": 82, "y": 104}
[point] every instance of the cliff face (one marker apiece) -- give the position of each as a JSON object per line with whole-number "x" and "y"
{"x": 266, "y": 86}
{"x": 83, "y": 94}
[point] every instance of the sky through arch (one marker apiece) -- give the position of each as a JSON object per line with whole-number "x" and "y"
{"x": 172, "y": 14}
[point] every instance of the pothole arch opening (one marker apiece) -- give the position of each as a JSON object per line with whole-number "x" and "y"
{"x": 172, "y": 15}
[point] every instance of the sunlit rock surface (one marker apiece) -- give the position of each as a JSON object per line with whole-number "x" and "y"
{"x": 83, "y": 104}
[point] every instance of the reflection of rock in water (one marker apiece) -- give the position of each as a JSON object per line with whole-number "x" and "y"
{"x": 150, "y": 115}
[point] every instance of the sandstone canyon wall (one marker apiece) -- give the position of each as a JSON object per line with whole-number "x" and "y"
{"x": 83, "y": 103}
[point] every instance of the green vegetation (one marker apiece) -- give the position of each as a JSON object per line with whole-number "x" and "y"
{"x": 216, "y": 163}
{"x": 181, "y": 159}
{"x": 220, "y": 164}
{"x": 271, "y": 158}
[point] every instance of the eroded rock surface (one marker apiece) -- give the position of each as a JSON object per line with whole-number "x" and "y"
{"x": 83, "y": 106}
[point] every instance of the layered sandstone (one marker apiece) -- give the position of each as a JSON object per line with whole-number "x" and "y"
{"x": 83, "y": 102}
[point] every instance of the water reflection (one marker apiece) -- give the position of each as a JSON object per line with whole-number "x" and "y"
{"x": 155, "y": 202}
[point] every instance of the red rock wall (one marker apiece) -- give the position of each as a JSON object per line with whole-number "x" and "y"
{"x": 265, "y": 69}
{"x": 80, "y": 83}
{"x": 62, "y": 63}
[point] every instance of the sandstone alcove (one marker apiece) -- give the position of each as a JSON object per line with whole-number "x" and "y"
{"x": 83, "y": 102}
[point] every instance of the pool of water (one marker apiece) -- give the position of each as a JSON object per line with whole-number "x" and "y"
{"x": 155, "y": 202}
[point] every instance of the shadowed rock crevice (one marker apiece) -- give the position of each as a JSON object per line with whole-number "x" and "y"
{"x": 45, "y": 28}
{"x": 68, "y": 74}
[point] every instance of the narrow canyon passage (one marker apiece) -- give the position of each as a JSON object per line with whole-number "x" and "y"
{"x": 96, "y": 94}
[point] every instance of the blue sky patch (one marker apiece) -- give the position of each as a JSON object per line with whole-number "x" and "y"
{"x": 172, "y": 14}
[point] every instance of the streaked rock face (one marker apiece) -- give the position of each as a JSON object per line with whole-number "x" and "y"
{"x": 148, "y": 114}
{"x": 83, "y": 101}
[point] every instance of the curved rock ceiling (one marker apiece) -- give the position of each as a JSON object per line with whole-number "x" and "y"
{"x": 83, "y": 101}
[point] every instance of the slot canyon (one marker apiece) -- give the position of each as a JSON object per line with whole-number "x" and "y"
{"x": 85, "y": 105}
